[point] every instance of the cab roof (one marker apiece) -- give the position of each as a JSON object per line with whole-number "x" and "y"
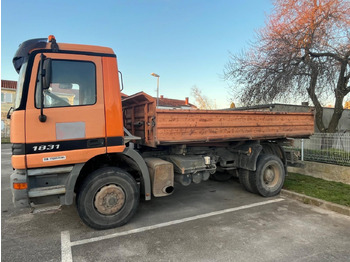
{"x": 29, "y": 46}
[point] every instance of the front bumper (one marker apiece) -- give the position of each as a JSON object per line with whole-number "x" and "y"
{"x": 19, "y": 197}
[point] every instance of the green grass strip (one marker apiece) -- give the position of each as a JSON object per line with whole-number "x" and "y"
{"x": 5, "y": 140}
{"x": 334, "y": 192}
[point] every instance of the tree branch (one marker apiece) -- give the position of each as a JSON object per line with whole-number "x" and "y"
{"x": 328, "y": 54}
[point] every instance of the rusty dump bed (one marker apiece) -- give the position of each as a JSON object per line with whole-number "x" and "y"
{"x": 177, "y": 126}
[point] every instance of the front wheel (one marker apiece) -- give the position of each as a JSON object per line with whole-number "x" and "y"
{"x": 108, "y": 198}
{"x": 269, "y": 176}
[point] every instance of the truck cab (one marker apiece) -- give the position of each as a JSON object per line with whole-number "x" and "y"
{"x": 67, "y": 122}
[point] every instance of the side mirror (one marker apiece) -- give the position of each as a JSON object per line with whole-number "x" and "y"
{"x": 9, "y": 113}
{"x": 45, "y": 77}
{"x": 47, "y": 73}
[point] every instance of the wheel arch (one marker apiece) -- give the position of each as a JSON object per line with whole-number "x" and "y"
{"x": 275, "y": 148}
{"x": 129, "y": 160}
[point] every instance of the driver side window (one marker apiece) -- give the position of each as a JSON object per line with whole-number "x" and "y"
{"x": 73, "y": 84}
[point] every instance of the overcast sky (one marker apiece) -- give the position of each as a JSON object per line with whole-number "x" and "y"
{"x": 187, "y": 42}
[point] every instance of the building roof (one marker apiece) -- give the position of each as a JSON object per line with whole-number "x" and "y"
{"x": 169, "y": 102}
{"x": 166, "y": 102}
{"x": 123, "y": 95}
{"x": 8, "y": 84}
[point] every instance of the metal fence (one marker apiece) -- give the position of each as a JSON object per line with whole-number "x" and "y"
{"x": 325, "y": 148}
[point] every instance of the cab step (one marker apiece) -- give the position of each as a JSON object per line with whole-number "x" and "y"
{"x": 47, "y": 191}
{"x": 45, "y": 209}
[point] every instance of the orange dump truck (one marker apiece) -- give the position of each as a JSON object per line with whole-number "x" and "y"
{"x": 74, "y": 138}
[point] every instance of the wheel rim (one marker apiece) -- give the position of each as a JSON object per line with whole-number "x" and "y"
{"x": 271, "y": 175}
{"x": 109, "y": 199}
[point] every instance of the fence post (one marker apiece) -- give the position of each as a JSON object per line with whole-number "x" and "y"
{"x": 302, "y": 149}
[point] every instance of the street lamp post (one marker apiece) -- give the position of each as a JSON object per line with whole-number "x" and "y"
{"x": 157, "y": 76}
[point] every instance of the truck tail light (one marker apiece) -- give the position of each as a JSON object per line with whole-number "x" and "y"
{"x": 20, "y": 186}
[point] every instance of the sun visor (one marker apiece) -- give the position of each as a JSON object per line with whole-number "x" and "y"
{"x": 23, "y": 50}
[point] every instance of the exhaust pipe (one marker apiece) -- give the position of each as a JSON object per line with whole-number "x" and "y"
{"x": 168, "y": 190}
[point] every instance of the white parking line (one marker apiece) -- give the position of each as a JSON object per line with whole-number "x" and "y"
{"x": 66, "y": 248}
{"x": 66, "y": 244}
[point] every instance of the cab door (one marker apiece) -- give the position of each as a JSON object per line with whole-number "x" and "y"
{"x": 74, "y": 129}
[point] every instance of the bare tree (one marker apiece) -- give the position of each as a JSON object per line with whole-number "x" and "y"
{"x": 302, "y": 51}
{"x": 202, "y": 101}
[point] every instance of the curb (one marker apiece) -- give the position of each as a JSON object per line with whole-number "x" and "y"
{"x": 317, "y": 202}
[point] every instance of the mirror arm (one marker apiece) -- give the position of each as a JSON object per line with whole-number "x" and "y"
{"x": 42, "y": 117}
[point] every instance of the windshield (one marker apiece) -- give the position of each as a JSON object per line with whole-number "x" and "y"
{"x": 20, "y": 82}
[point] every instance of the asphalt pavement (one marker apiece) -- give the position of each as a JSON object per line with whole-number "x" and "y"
{"x": 211, "y": 221}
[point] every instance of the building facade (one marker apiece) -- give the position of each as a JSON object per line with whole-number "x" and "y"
{"x": 8, "y": 94}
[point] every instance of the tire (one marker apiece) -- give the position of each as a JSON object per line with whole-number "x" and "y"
{"x": 269, "y": 176}
{"x": 108, "y": 198}
{"x": 220, "y": 176}
{"x": 243, "y": 175}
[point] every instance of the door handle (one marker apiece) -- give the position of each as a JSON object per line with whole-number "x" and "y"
{"x": 99, "y": 142}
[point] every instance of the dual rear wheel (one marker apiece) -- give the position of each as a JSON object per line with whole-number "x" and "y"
{"x": 268, "y": 179}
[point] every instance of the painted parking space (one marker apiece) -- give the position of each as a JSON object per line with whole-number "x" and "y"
{"x": 67, "y": 245}
{"x": 211, "y": 221}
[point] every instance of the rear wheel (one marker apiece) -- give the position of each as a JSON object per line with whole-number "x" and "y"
{"x": 108, "y": 198}
{"x": 243, "y": 175}
{"x": 269, "y": 176}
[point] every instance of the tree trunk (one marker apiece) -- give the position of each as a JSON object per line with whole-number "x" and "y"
{"x": 337, "y": 113}
{"x": 318, "y": 106}
{"x": 340, "y": 92}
